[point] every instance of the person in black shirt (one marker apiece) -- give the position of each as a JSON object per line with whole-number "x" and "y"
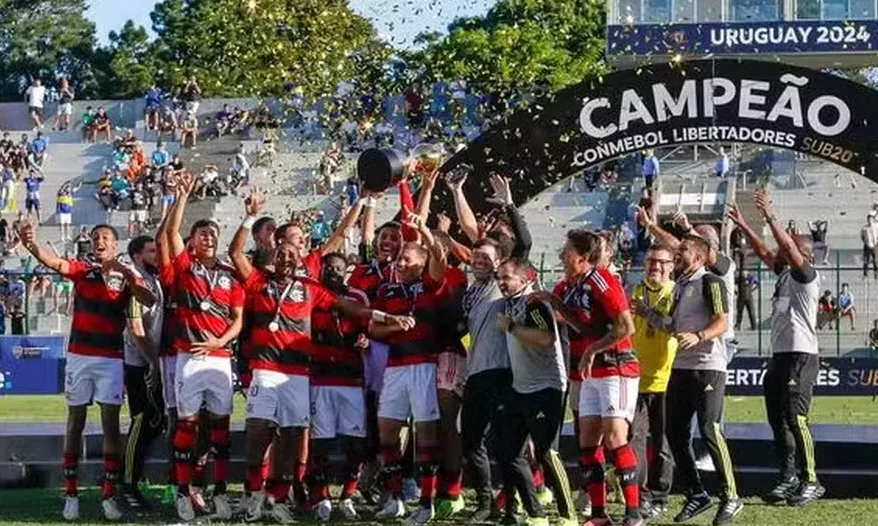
{"x": 745, "y": 283}
{"x": 818, "y": 237}
{"x": 138, "y": 215}
{"x": 83, "y": 243}
{"x": 16, "y": 317}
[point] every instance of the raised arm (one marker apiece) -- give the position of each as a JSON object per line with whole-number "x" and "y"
{"x": 465, "y": 216}
{"x": 503, "y": 197}
{"x": 437, "y": 262}
{"x": 185, "y": 185}
{"x": 785, "y": 241}
{"x": 428, "y": 184}
{"x": 644, "y": 217}
{"x": 368, "y": 224}
{"x": 753, "y": 239}
{"x": 253, "y": 205}
{"x": 27, "y": 234}
{"x": 336, "y": 240}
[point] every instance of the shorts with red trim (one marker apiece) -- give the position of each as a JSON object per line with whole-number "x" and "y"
{"x": 609, "y": 397}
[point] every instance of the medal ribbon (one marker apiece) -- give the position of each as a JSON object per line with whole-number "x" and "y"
{"x": 280, "y": 302}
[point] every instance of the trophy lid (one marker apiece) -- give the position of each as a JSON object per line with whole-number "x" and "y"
{"x": 379, "y": 169}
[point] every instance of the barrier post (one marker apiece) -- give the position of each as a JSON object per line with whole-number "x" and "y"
{"x": 838, "y": 289}
{"x": 542, "y": 267}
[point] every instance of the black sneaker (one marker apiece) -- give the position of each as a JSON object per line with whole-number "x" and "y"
{"x": 633, "y": 520}
{"x": 782, "y": 491}
{"x": 695, "y": 506}
{"x": 728, "y": 510}
{"x": 806, "y": 493}
{"x": 133, "y": 498}
{"x": 485, "y": 509}
{"x": 651, "y": 510}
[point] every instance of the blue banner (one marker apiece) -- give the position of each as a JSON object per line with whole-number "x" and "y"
{"x": 836, "y": 377}
{"x": 722, "y": 38}
{"x": 31, "y": 376}
{"x": 32, "y": 347}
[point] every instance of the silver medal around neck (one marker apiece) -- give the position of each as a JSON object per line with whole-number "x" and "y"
{"x": 205, "y": 306}
{"x": 274, "y": 326}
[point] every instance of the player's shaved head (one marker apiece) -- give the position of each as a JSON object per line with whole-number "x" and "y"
{"x": 710, "y": 234}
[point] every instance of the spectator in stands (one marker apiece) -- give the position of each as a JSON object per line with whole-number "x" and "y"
{"x": 5, "y": 239}
{"x": 190, "y": 94}
{"x": 64, "y": 208}
{"x": 175, "y": 168}
{"x": 818, "y": 236}
{"x": 3, "y": 316}
{"x": 64, "y": 115}
{"x": 101, "y": 123}
{"x": 873, "y": 337}
{"x": 826, "y": 311}
{"x": 240, "y": 170}
{"x": 414, "y": 105}
{"x": 16, "y": 319}
{"x": 38, "y": 152}
{"x": 846, "y": 308}
{"x": 626, "y": 241}
{"x": 320, "y": 230}
{"x": 745, "y": 283}
{"x": 88, "y": 121}
{"x": 62, "y": 288}
{"x": 32, "y": 192}
{"x": 608, "y": 178}
{"x": 83, "y": 243}
{"x": 169, "y": 192}
{"x": 127, "y": 141}
{"x": 168, "y": 123}
{"x": 793, "y": 228}
{"x": 138, "y": 214}
{"x": 16, "y": 241}
{"x": 36, "y": 98}
{"x": 137, "y": 162}
{"x": 189, "y": 130}
{"x": 650, "y": 169}
{"x": 352, "y": 189}
{"x": 40, "y": 285}
{"x": 160, "y": 158}
{"x": 330, "y": 162}
{"x": 7, "y": 175}
{"x": 869, "y": 236}
{"x": 223, "y": 120}
{"x": 153, "y": 98}
{"x": 207, "y": 182}
{"x": 721, "y": 169}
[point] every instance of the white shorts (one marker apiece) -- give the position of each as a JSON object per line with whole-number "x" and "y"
{"x": 89, "y": 379}
{"x": 65, "y": 108}
{"x": 279, "y": 397}
{"x": 137, "y": 215}
{"x": 64, "y": 219}
{"x": 337, "y": 410}
{"x": 610, "y": 397}
{"x": 169, "y": 381}
{"x": 203, "y": 381}
{"x": 575, "y": 388}
{"x": 451, "y": 373}
{"x": 409, "y": 391}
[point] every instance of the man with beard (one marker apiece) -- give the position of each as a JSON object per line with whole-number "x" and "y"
{"x": 591, "y": 302}
{"x": 210, "y": 304}
{"x": 535, "y": 405}
{"x": 94, "y": 370}
{"x": 698, "y": 320}
{"x": 263, "y": 236}
{"x": 143, "y": 338}
{"x": 655, "y": 351}
{"x": 409, "y": 385}
{"x": 792, "y": 373}
{"x": 279, "y": 348}
{"x": 338, "y": 406}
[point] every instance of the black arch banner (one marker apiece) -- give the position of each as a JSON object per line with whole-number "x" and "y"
{"x": 701, "y": 101}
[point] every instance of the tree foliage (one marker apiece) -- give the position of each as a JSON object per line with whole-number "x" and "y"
{"x": 518, "y": 44}
{"x": 132, "y": 66}
{"x": 250, "y": 47}
{"x": 45, "y": 38}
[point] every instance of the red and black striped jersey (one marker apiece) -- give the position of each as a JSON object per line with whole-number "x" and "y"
{"x": 370, "y": 277}
{"x": 205, "y": 299}
{"x": 99, "y": 307}
{"x": 597, "y": 299}
{"x": 286, "y": 308}
{"x": 420, "y": 299}
{"x": 335, "y": 358}
{"x": 311, "y": 265}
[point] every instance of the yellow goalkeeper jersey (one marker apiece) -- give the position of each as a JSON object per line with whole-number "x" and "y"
{"x": 655, "y": 348}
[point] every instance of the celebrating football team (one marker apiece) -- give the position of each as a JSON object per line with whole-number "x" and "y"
{"x": 406, "y": 367}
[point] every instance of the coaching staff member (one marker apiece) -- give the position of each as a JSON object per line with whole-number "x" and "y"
{"x": 792, "y": 372}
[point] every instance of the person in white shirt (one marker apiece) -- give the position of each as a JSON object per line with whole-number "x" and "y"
{"x": 36, "y": 97}
{"x": 869, "y": 235}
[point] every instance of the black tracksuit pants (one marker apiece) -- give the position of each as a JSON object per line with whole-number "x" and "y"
{"x": 540, "y": 415}
{"x": 699, "y": 393}
{"x": 789, "y": 386}
{"x": 481, "y": 414}
{"x": 147, "y": 408}
{"x": 655, "y": 468}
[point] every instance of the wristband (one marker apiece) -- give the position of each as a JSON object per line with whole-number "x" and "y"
{"x": 379, "y": 316}
{"x": 249, "y": 221}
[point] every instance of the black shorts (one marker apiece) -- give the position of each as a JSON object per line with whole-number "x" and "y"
{"x": 36, "y": 111}
{"x": 31, "y": 204}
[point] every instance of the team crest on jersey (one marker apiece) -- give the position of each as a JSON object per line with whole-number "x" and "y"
{"x": 115, "y": 282}
{"x": 297, "y": 293}
{"x": 224, "y": 282}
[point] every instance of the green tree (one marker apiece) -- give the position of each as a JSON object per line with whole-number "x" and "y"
{"x": 517, "y": 45}
{"x": 252, "y": 47}
{"x": 45, "y": 38}
{"x": 132, "y": 63}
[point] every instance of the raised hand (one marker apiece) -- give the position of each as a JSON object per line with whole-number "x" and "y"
{"x": 502, "y": 192}
{"x": 27, "y": 233}
{"x": 457, "y": 178}
{"x": 735, "y": 215}
{"x": 643, "y": 217}
{"x": 764, "y": 203}
{"x": 444, "y": 224}
{"x": 254, "y": 202}
{"x": 681, "y": 220}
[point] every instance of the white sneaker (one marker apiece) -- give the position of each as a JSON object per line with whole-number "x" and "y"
{"x": 71, "y": 508}
{"x": 348, "y": 510}
{"x": 281, "y": 513}
{"x": 583, "y": 504}
{"x": 422, "y": 515}
{"x": 111, "y": 509}
{"x": 393, "y": 509}
{"x": 323, "y": 510}
{"x": 222, "y": 508}
{"x": 255, "y": 503}
{"x": 184, "y": 508}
